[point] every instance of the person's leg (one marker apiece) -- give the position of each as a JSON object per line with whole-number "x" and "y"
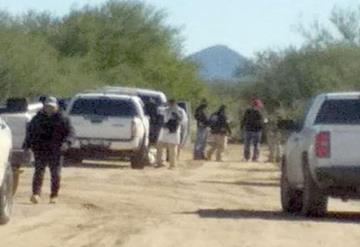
{"x": 38, "y": 177}
{"x": 198, "y": 144}
{"x": 256, "y": 136}
{"x": 205, "y": 135}
{"x": 159, "y": 154}
{"x": 213, "y": 146}
{"x": 55, "y": 172}
{"x": 172, "y": 154}
{"x": 222, "y": 143}
{"x": 247, "y": 143}
{"x": 16, "y": 175}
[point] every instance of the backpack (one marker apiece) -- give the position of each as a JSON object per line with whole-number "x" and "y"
{"x": 173, "y": 124}
{"x": 213, "y": 121}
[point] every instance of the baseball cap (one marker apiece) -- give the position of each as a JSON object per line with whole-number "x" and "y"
{"x": 51, "y": 101}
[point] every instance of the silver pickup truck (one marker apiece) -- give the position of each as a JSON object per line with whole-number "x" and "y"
{"x": 17, "y": 114}
{"x": 322, "y": 155}
{"x": 6, "y": 178}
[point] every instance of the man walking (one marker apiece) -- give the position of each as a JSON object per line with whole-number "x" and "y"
{"x": 46, "y": 134}
{"x": 202, "y": 131}
{"x": 220, "y": 129}
{"x": 170, "y": 136}
{"x": 252, "y": 125}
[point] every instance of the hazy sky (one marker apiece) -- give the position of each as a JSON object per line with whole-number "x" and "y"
{"x": 244, "y": 25}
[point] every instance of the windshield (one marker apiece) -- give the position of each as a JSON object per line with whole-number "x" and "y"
{"x": 339, "y": 112}
{"x": 104, "y": 107}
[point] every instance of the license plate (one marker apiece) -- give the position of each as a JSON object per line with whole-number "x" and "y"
{"x": 96, "y": 143}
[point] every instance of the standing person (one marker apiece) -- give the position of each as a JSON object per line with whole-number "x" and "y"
{"x": 151, "y": 109}
{"x": 46, "y": 134}
{"x": 170, "y": 136}
{"x": 184, "y": 125}
{"x": 220, "y": 129}
{"x": 252, "y": 124}
{"x": 202, "y": 131}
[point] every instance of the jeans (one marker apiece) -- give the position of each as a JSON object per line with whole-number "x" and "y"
{"x": 43, "y": 159}
{"x": 200, "y": 143}
{"x": 251, "y": 138}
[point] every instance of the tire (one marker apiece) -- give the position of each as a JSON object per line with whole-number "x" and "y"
{"x": 6, "y": 197}
{"x": 291, "y": 199}
{"x": 314, "y": 200}
{"x": 72, "y": 159}
{"x": 140, "y": 158}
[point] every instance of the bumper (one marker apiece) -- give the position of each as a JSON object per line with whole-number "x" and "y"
{"x": 97, "y": 153}
{"x": 342, "y": 182}
{"x": 115, "y": 145}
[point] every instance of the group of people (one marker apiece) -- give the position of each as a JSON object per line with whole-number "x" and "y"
{"x": 215, "y": 129}
{"x": 49, "y": 132}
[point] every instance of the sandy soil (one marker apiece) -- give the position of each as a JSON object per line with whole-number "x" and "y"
{"x": 199, "y": 204}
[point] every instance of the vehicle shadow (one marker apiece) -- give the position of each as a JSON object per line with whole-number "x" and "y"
{"x": 92, "y": 165}
{"x": 261, "y": 170}
{"x": 245, "y": 183}
{"x": 333, "y": 217}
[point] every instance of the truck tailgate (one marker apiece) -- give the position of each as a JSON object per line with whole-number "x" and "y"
{"x": 98, "y": 127}
{"x": 345, "y": 149}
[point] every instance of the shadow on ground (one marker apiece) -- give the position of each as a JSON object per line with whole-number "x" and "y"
{"x": 244, "y": 183}
{"x": 335, "y": 217}
{"x": 261, "y": 170}
{"x": 91, "y": 165}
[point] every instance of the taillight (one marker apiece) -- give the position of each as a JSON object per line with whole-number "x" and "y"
{"x": 133, "y": 129}
{"x": 322, "y": 145}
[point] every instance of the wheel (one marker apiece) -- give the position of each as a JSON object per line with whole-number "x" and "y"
{"x": 140, "y": 158}
{"x": 72, "y": 159}
{"x": 6, "y": 197}
{"x": 314, "y": 200}
{"x": 291, "y": 199}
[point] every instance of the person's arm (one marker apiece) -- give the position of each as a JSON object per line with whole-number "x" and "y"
{"x": 244, "y": 119}
{"x": 69, "y": 130}
{"x": 228, "y": 127}
{"x": 28, "y": 135}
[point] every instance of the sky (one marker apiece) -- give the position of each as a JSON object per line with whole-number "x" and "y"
{"x": 247, "y": 26}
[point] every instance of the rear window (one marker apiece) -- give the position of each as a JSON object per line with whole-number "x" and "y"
{"x": 147, "y": 99}
{"x": 104, "y": 107}
{"x": 339, "y": 112}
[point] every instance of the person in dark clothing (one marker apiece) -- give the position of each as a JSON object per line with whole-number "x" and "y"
{"x": 151, "y": 109}
{"x": 202, "y": 131}
{"x": 46, "y": 134}
{"x": 252, "y": 125}
{"x": 220, "y": 129}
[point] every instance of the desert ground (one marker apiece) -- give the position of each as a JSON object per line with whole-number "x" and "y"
{"x": 104, "y": 204}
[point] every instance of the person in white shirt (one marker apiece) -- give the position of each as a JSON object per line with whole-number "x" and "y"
{"x": 183, "y": 131}
{"x": 170, "y": 133}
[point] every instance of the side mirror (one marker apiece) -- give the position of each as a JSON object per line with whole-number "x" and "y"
{"x": 288, "y": 125}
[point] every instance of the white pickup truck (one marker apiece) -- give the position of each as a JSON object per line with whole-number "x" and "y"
{"x": 6, "y": 178}
{"x": 108, "y": 126}
{"x": 322, "y": 155}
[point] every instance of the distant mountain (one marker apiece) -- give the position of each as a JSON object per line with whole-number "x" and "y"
{"x": 218, "y": 62}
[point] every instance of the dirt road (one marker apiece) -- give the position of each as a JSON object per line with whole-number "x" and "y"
{"x": 199, "y": 204}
